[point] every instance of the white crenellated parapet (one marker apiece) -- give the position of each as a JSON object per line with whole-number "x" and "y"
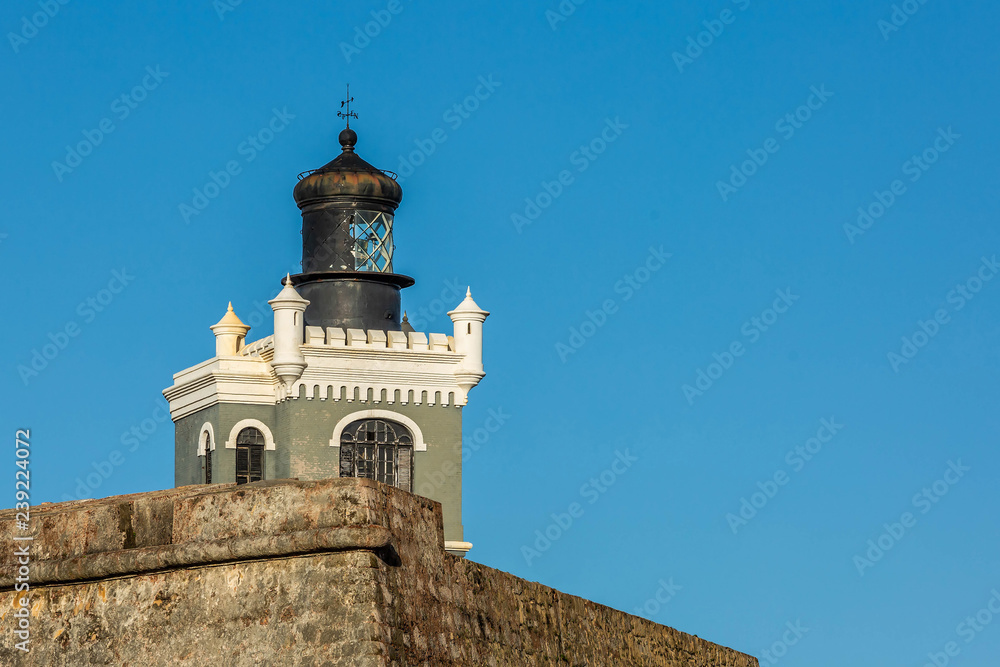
{"x": 330, "y": 363}
{"x": 289, "y": 330}
{"x": 374, "y": 339}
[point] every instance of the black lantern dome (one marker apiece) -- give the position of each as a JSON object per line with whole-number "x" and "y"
{"x": 347, "y": 179}
{"x": 347, "y": 243}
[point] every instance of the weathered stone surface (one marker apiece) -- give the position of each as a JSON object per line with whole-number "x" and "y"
{"x": 333, "y": 572}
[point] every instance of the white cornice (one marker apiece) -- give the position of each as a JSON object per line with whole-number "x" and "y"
{"x": 458, "y": 548}
{"x": 323, "y": 351}
{"x": 221, "y": 380}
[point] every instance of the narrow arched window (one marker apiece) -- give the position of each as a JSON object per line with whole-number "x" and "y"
{"x": 249, "y": 456}
{"x": 377, "y": 449}
{"x": 208, "y": 458}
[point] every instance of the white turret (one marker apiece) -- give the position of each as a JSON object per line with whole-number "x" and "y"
{"x": 289, "y": 333}
{"x": 230, "y": 333}
{"x": 468, "y": 318}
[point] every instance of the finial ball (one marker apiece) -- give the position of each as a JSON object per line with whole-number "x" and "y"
{"x": 348, "y": 138}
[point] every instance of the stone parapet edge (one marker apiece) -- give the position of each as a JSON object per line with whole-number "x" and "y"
{"x": 143, "y": 560}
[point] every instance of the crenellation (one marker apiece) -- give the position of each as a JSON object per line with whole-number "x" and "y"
{"x": 418, "y": 341}
{"x": 375, "y": 339}
{"x": 314, "y": 336}
{"x": 397, "y": 340}
{"x": 357, "y": 338}
{"x": 437, "y": 342}
{"x": 336, "y": 337}
{"x": 258, "y": 348}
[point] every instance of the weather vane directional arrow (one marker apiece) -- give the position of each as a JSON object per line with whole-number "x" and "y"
{"x": 347, "y": 103}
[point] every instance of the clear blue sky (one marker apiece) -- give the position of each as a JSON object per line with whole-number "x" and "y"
{"x": 668, "y": 173}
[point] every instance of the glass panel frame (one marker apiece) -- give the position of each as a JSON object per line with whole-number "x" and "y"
{"x": 373, "y": 248}
{"x": 378, "y": 449}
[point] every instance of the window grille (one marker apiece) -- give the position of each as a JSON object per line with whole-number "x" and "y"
{"x": 372, "y": 234}
{"x": 208, "y": 459}
{"x": 377, "y": 449}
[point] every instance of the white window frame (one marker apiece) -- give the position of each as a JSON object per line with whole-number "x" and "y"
{"x": 419, "y": 444}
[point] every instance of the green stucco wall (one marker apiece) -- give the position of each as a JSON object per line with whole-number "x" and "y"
{"x": 302, "y": 429}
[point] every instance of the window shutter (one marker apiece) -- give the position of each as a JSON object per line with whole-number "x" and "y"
{"x": 256, "y": 463}
{"x": 347, "y": 459}
{"x": 242, "y": 464}
{"x": 404, "y": 466}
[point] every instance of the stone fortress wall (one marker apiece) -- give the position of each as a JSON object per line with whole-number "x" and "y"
{"x": 328, "y": 573}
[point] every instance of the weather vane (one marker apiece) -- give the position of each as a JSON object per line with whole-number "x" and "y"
{"x": 350, "y": 114}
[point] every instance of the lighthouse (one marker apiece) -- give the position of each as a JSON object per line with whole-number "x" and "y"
{"x": 344, "y": 387}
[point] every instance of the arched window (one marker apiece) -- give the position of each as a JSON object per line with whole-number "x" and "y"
{"x": 377, "y": 449}
{"x": 249, "y": 456}
{"x": 208, "y": 458}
